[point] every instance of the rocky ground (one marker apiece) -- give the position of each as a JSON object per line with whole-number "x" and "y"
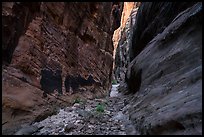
{"x": 87, "y": 117}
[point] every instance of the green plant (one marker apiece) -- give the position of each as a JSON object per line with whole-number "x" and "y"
{"x": 77, "y": 100}
{"x": 100, "y": 107}
{"x": 114, "y": 81}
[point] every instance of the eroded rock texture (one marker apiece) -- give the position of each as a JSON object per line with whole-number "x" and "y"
{"x": 74, "y": 42}
{"x": 127, "y": 8}
{"x": 15, "y": 20}
{"x": 56, "y": 41}
{"x": 124, "y": 43}
{"x": 165, "y": 73}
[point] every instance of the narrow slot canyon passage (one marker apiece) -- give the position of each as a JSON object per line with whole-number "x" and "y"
{"x": 102, "y": 68}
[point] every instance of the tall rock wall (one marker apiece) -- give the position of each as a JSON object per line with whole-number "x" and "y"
{"x": 124, "y": 42}
{"x": 55, "y": 47}
{"x": 126, "y": 13}
{"x": 127, "y": 8}
{"x": 71, "y": 41}
{"x": 152, "y": 19}
{"x": 15, "y": 20}
{"x": 164, "y": 76}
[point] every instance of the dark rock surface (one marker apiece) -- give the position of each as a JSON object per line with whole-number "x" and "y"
{"x": 141, "y": 29}
{"x": 51, "y": 80}
{"x": 28, "y": 130}
{"x": 74, "y": 82}
{"x": 16, "y": 17}
{"x": 165, "y": 77}
{"x": 152, "y": 19}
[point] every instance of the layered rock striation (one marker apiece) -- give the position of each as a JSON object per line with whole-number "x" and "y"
{"x": 55, "y": 47}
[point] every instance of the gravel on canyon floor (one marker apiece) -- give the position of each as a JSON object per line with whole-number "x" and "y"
{"x": 90, "y": 117}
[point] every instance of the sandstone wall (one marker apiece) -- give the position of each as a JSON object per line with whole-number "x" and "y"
{"x": 55, "y": 46}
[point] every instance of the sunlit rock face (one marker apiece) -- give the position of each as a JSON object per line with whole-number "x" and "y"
{"x": 164, "y": 76}
{"x": 55, "y": 47}
{"x": 127, "y": 8}
{"x": 124, "y": 42}
{"x": 126, "y": 14}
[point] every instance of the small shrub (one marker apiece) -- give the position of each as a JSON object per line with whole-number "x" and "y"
{"x": 77, "y": 100}
{"x": 114, "y": 82}
{"x": 100, "y": 108}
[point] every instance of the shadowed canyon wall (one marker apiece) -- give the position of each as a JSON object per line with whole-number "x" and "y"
{"x": 163, "y": 77}
{"x": 51, "y": 47}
